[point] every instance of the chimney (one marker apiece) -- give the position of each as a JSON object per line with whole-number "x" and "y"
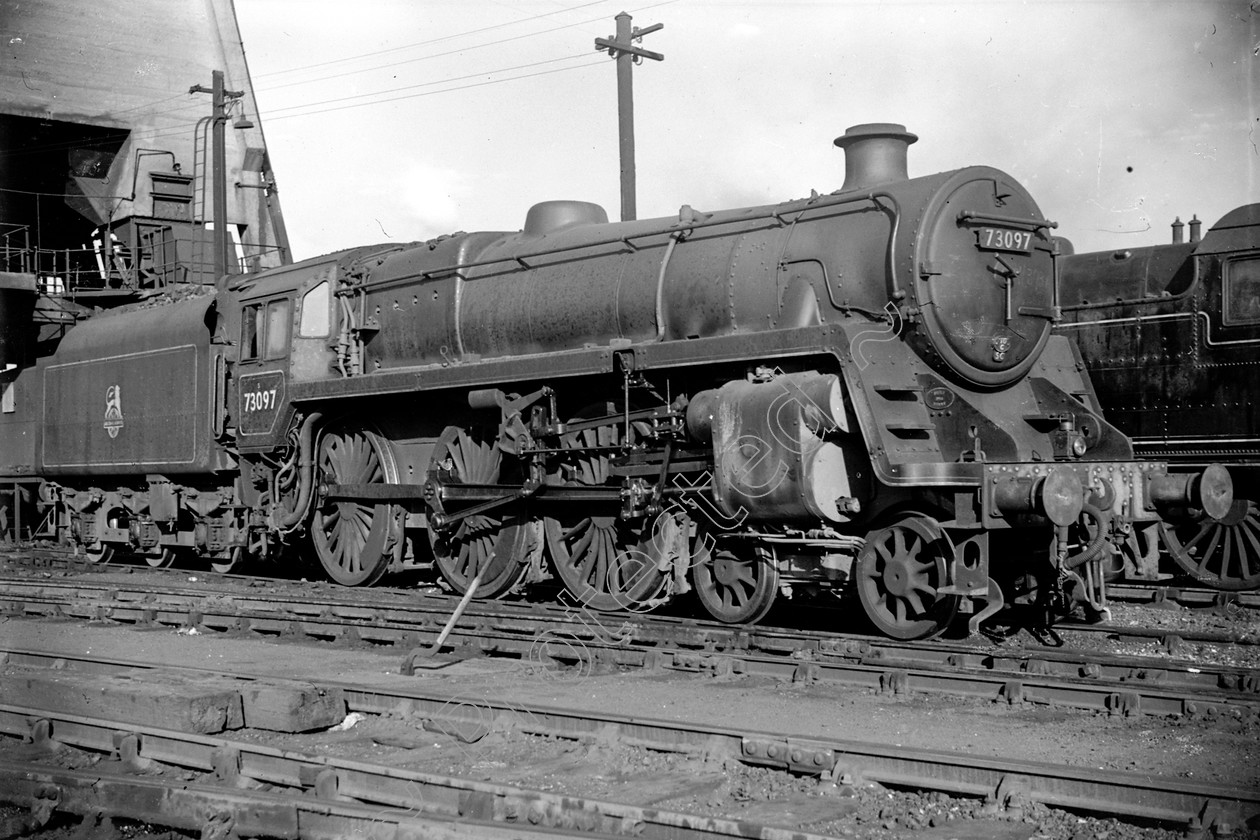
{"x": 874, "y": 153}
{"x": 1177, "y": 227}
{"x": 1195, "y": 224}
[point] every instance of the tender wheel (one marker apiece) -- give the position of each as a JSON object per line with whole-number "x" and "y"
{"x": 898, "y": 573}
{"x": 347, "y": 535}
{"x": 98, "y": 555}
{"x": 737, "y": 586}
{"x": 606, "y": 562}
{"x": 227, "y": 561}
{"x": 501, "y": 545}
{"x": 1222, "y": 554}
{"x": 161, "y": 560}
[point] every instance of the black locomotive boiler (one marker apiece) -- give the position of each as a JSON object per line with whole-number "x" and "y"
{"x": 1171, "y": 336}
{"x": 859, "y": 389}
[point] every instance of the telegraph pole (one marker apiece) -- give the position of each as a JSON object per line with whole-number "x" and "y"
{"x": 219, "y": 98}
{"x": 621, "y": 47}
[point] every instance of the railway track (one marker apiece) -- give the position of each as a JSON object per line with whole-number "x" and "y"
{"x": 1172, "y": 593}
{"x": 238, "y": 764}
{"x": 577, "y": 639}
{"x": 308, "y": 795}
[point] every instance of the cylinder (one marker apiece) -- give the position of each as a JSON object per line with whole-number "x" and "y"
{"x": 779, "y": 448}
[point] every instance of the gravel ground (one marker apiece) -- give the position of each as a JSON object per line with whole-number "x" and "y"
{"x": 1225, "y": 752}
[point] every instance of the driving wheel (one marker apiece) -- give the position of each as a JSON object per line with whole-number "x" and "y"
{"x": 1223, "y": 554}
{"x": 498, "y": 541}
{"x": 605, "y": 561}
{"x": 351, "y": 538}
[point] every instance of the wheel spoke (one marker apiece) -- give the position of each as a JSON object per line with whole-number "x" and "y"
{"x": 1251, "y": 546}
{"x": 605, "y": 551}
{"x": 744, "y": 573}
{"x": 885, "y": 554}
{"x": 1206, "y": 557}
{"x": 581, "y": 547}
{"x": 567, "y": 535}
{"x": 1204, "y": 528}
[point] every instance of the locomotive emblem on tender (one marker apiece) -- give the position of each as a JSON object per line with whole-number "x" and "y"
{"x": 851, "y": 391}
{"x": 113, "y": 410}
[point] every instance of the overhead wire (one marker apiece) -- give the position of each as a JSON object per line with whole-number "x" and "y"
{"x": 435, "y": 92}
{"x": 107, "y": 142}
{"x": 274, "y": 111}
{"x": 442, "y": 54}
{"x": 430, "y": 41}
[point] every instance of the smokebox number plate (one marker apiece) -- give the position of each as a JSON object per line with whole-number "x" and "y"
{"x": 1004, "y": 239}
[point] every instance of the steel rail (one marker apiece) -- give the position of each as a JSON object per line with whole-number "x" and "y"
{"x": 1093, "y": 685}
{"x": 999, "y": 780}
{"x": 216, "y": 811}
{"x": 420, "y": 796}
{"x": 401, "y": 605}
{"x": 1187, "y": 595}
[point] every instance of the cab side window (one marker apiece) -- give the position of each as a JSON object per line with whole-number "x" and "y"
{"x": 251, "y": 331}
{"x": 1242, "y": 291}
{"x": 277, "y": 328}
{"x": 316, "y": 319}
{"x": 265, "y": 330}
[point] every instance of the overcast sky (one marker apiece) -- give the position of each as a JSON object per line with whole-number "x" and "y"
{"x": 1116, "y": 115}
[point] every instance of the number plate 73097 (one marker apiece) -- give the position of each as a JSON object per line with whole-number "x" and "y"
{"x": 1004, "y": 239}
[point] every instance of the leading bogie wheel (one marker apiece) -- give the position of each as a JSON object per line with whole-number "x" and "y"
{"x": 1223, "y": 554}
{"x": 500, "y": 541}
{"x": 736, "y": 584}
{"x": 346, "y": 534}
{"x": 898, "y": 575}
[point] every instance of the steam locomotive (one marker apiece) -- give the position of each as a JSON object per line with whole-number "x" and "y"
{"x": 1171, "y": 336}
{"x": 857, "y": 391}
